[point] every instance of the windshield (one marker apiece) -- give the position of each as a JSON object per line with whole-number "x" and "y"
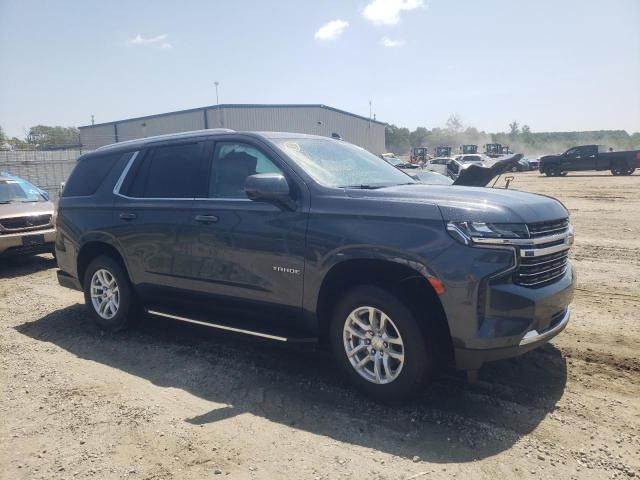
{"x": 17, "y": 190}
{"x": 339, "y": 164}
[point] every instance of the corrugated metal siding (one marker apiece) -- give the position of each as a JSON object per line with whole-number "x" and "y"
{"x": 94, "y": 137}
{"x": 313, "y": 120}
{"x": 280, "y": 119}
{"x": 355, "y": 130}
{"x": 148, "y": 127}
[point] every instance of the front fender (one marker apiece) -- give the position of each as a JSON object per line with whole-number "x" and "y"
{"x": 373, "y": 252}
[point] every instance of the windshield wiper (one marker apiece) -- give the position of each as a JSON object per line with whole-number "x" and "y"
{"x": 4, "y": 202}
{"x": 361, "y": 187}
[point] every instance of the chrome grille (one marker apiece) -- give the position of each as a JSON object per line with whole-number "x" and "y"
{"x": 32, "y": 222}
{"x": 544, "y": 259}
{"x": 542, "y": 270}
{"x": 543, "y": 229}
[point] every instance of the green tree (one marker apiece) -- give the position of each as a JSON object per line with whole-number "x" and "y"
{"x": 3, "y": 136}
{"x": 19, "y": 144}
{"x": 419, "y": 137}
{"x": 43, "y": 136}
{"x": 397, "y": 139}
{"x": 514, "y": 129}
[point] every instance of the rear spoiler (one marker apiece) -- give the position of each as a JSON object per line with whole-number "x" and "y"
{"x": 480, "y": 176}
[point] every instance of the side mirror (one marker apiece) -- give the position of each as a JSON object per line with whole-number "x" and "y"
{"x": 269, "y": 187}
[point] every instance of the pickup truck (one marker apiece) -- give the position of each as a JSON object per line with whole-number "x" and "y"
{"x": 300, "y": 238}
{"x": 590, "y": 157}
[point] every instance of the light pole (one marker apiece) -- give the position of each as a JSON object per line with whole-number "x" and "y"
{"x": 216, "y": 83}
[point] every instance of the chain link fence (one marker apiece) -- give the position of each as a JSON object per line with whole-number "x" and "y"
{"x": 46, "y": 169}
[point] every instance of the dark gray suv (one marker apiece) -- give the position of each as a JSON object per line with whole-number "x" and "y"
{"x": 303, "y": 238}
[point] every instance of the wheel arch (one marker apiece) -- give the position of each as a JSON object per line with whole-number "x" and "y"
{"x": 94, "y": 248}
{"x": 407, "y": 282}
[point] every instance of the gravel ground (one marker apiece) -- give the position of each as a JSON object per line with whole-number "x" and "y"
{"x": 177, "y": 401}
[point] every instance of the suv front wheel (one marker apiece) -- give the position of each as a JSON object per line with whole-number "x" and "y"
{"x": 379, "y": 345}
{"x": 107, "y": 294}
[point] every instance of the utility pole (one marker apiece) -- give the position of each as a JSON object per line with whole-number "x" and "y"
{"x": 92, "y": 120}
{"x": 220, "y": 119}
{"x": 369, "y": 113}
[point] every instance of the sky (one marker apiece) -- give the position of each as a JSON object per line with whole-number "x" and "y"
{"x": 556, "y": 65}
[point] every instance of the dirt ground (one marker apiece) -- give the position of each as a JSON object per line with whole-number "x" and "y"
{"x": 173, "y": 401}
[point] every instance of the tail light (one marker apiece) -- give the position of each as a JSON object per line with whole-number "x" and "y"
{"x": 638, "y": 155}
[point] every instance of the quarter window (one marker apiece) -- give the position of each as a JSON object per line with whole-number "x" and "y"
{"x": 233, "y": 163}
{"x": 88, "y": 175}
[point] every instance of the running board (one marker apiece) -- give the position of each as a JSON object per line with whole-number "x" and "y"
{"x": 229, "y": 328}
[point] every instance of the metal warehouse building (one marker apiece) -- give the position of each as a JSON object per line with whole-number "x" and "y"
{"x": 311, "y": 119}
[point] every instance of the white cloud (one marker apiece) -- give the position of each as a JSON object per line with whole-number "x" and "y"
{"x": 140, "y": 40}
{"x": 388, "y": 43}
{"x": 387, "y": 12}
{"x": 331, "y": 30}
{"x": 166, "y": 45}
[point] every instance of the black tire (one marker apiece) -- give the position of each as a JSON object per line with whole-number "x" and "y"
{"x": 418, "y": 358}
{"x": 126, "y": 312}
{"x": 563, "y": 174}
{"x": 619, "y": 168}
{"x": 551, "y": 171}
{"x": 629, "y": 171}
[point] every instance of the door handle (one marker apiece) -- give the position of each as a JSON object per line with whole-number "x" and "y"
{"x": 206, "y": 218}
{"x": 128, "y": 216}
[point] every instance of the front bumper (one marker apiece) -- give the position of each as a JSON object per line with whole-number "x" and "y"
{"x": 472, "y": 359}
{"x": 13, "y": 243}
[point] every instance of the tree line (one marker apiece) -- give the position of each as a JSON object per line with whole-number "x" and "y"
{"x": 520, "y": 138}
{"x": 42, "y": 137}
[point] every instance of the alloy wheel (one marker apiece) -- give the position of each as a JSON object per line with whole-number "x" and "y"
{"x": 105, "y": 294}
{"x": 373, "y": 345}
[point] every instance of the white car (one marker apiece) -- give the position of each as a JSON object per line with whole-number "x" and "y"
{"x": 438, "y": 165}
{"x": 473, "y": 157}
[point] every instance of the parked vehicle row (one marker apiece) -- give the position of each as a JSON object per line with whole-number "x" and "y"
{"x": 400, "y": 277}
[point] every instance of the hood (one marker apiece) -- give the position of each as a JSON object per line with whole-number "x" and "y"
{"x": 8, "y": 210}
{"x": 479, "y": 175}
{"x": 495, "y": 205}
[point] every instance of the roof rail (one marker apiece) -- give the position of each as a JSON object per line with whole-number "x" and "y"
{"x": 167, "y": 135}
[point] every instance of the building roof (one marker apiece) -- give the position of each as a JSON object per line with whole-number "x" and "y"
{"x": 239, "y": 105}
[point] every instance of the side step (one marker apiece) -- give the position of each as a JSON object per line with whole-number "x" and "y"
{"x": 229, "y": 328}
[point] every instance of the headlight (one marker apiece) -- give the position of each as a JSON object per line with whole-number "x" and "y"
{"x": 467, "y": 232}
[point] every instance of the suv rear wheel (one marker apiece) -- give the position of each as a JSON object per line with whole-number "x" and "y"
{"x": 108, "y": 294}
{"x": 378, "y": 343}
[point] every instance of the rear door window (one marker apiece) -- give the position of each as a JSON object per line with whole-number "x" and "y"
{"x": 172, "y": 171}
